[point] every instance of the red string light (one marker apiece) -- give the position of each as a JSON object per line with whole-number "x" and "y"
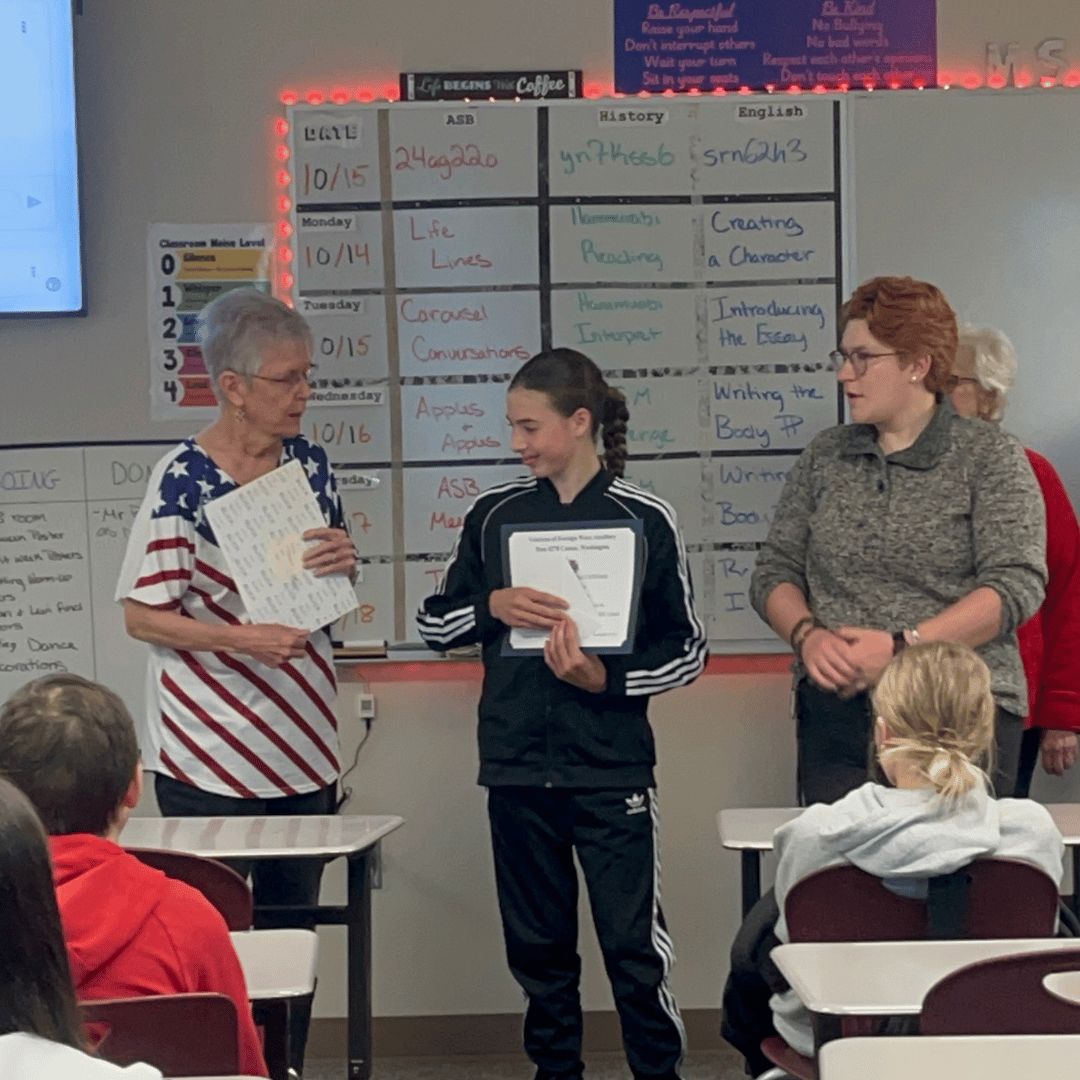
{"x": 281, "y": 126}
{"x": 1047, "y": 81}
{"x": 365, "y": 94}
{"x": 593, "y": 90}
{"x": 287, "y": 281}
{"x": 285, "y": 254}
{"x": 284, "y": 204}
{"x": 340, "y": 97}
{"x": 719, "y": 92}
{"x": 283, "y": 178}
{"x": 289, "y": 97}
{"x": 315, "y": 97}
{"x": 391, "y": 92}
{"x": 794, "y": 88}
{"x": 285, "y": 228}
{"x": 644, "y": 93}
{"x": 1072, "y": 79}
{"x": 996, "y": 81}
{"x": 282, "y": 152}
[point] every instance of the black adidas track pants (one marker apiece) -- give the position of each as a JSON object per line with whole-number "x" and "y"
{"x": 535, "y": 832}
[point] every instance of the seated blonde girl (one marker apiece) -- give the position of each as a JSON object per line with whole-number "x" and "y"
{"x": 933, "y": 735}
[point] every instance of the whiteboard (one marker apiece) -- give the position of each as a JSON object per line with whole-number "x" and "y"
{"x": 693, "y": 248}
{"x": 977, "y": 192}
{"x": 65, "y": 515}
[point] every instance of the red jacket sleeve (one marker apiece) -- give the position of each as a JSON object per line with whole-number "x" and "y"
{"x": 1055, "y": 690}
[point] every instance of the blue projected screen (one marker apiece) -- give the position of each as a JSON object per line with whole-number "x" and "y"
{"x": 41, "y": 267}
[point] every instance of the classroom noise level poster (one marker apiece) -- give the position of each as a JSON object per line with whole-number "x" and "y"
{"x": 188, "y": 266}
{"x": 778, "y": 44}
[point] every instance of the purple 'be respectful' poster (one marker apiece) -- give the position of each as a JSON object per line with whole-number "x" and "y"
{"x": 781, "y": 43}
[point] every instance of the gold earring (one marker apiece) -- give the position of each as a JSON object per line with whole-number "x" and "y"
{"x": 240, "y": 413}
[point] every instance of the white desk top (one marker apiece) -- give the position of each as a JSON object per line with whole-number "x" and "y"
{"x": 277, "y": 963}
{"x": 260, "y": 837}
{"x": 873, "y": 978}
{"x": 751, "y": 829}
{"x": 951, "y": 1057}
{"x": 1064, "y": 985}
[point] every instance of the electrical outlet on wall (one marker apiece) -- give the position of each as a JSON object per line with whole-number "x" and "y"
{"x": 365, "y": 706}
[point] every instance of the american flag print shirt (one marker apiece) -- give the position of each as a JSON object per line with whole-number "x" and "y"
{"x": 224, "y": 722}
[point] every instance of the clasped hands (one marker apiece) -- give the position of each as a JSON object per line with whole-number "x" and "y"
{"x": 848, "y": 659}
{"x": 531, "y": 609}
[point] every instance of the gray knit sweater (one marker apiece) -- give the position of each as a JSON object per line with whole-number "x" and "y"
{"x": 887, "y": 542}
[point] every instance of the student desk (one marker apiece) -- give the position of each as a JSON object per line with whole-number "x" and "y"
{"x": 326, "y": 837}
{"x": 279, "y": 967}
{"x": 950, "y": 1057}
{"x": 750, "y": 832}
{"x": 884, "y": 978}
{"x": 277, "y": 963}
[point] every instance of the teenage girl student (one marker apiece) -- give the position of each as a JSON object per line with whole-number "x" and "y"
{"x": 40, "y": 1034}
{"x": 566, "y": 750}
{"x": 933, "y": 737}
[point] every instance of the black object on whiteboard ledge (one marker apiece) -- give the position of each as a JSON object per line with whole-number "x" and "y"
{"x": 477, "y": 85}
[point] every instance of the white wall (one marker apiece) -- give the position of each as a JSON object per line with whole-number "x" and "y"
{"x": 724, "y": 741}
{"x": 176, "y": 102}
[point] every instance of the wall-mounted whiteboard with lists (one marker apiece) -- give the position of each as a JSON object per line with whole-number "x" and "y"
{"x": 692, "y": 247}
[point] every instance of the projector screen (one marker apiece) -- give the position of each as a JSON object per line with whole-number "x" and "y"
{"x": 41, "y": 265}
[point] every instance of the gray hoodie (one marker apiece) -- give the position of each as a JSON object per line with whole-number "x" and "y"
{"x": 904, "y": 836}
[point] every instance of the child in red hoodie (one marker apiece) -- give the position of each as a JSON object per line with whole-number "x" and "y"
{"x": 69, "y": 744}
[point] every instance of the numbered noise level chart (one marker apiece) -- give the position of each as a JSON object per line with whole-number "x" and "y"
{"x": 189, "y": 266}
{"x": 692, "y": 248}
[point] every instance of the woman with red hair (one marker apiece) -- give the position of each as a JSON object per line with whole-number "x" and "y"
{"x": 910, "y": 523}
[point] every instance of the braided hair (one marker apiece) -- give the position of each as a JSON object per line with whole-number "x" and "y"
{"x": 572, "y": 381}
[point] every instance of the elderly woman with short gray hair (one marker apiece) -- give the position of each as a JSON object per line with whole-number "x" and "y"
{"x": 240, "y": 714}
{"x": 984, "y": 370}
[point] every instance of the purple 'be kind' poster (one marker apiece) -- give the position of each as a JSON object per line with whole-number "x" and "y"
{"x": 781, "y": 43}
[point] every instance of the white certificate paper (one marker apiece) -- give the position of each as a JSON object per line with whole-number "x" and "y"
{"x": 594, "y": 567}
{"x": 259, "y": 528}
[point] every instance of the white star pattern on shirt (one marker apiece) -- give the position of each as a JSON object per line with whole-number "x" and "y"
{"x": 205, "y": 486}
{"x": 312, "y": 467}
{"x": 178, "y": 469}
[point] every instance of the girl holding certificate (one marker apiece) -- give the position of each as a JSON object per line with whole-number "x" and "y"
{"x": 566, "y": 750}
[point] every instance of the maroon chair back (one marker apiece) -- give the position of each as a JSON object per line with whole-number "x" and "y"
{"x": 1007, "y": 899}
{"x": 220, "y": 884}
{"x": 1004, "y": 996}
{"x": 180, "y": 1034}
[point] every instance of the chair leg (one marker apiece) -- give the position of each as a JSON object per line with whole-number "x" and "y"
{"x": 274, "y": 1017}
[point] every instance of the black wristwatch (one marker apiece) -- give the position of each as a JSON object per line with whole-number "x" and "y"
{"x": 899, "y": 642}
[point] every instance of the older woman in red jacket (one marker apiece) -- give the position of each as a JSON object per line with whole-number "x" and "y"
{"x": 1049, "y": 642}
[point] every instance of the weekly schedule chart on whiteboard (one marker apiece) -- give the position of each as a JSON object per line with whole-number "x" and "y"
{"x": 692, "y": 248}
